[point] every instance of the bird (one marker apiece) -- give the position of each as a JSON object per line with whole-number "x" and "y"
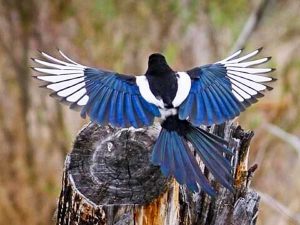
{"x": 182, "y": 102}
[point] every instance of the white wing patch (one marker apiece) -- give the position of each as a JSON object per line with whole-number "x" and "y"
{"x": 246, "y": 81}
{"x": 76, "y": 96}
{"x": 167, "y": 112}
{"x": 184, "y": 86}
{"x": 143, "y": 84}
{"x": 83, "y": 101}
{"x": 64, "y": 84}
{"x": 60, "y": 78}
{"x": 65, "y": 78}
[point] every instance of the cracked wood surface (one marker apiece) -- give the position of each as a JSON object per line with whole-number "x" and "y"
{"x": 111, "y": 166}
{"x": 108, "y": 179}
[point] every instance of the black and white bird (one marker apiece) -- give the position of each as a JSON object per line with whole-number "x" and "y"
{"x": 205, "y": 95}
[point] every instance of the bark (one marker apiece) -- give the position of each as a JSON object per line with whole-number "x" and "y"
{"x": 108, "y": 179}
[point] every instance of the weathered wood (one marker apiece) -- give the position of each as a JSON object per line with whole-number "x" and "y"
{"x": 108, "y": 179}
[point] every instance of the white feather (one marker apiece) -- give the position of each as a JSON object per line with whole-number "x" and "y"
{"x": 164, "y": 113}
{"x": 70, "y": 90}
{"x": 241, "y": 92}
{"x": 64, "y": 84}
{"x": 57, "y": 66}
{"x": 77, "y": 95}
{"x": 67, "y": 79}
{"x": 67, "y": 58}
{"x": 83, "y": 101}
{"x": 184, "y": 86}
{"x": 242, "y": 76}
{"x": 146, "y": 93}
{"x": 244, "y": 88}
{"x": 56, "y": 78}
{"x": 56, "y": 60}
{"x": 246, "y": 64}
{"x": 244, "y": 57}
{"x": 231, "y": 57}
{"x": 237, "y": 96}
{"x": 255, "y": 86}
{"x": 249, "y": 70}
{"x": 57, "y": 71}
{"x": 252, "y": 77}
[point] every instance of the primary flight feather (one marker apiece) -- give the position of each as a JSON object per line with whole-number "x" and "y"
{"x": 205, "y": 95}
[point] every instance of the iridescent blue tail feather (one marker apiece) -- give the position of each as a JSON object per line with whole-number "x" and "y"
{"x": 174, "y": 156}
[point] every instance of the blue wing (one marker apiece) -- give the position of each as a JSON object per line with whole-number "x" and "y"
{"x": 220, "y": 91}
{"x": 106, "y": 97}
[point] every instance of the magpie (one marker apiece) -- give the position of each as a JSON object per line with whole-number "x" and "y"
{"x": 205, "y": 95}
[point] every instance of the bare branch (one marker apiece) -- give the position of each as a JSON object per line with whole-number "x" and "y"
{"x": 251, "y": 24}
{"x": 279, "y": 207}
{"x": 291, "y": 139}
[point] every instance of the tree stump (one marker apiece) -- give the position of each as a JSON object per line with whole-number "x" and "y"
{"x": 108, "y": 179}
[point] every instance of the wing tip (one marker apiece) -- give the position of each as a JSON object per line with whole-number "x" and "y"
{"x": 242, "y": 49}
{"x": 60, "y": 52}
{"x": 258, "y": 95}
{"x": 44, "y": 85}
{"x": 239, "y": 51}
{"x": 41, "y": 52}
{"x": 269, "y": 71}
{"x": 75, "y": 106}
{"x": 259, "y": 49}
{"x": 33, "y": 68}
{"x": 55, "y": 95}
{"x": 273, "y": 79}
{"x": 35, "y": 77}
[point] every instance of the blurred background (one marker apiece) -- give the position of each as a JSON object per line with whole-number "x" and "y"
{"x": 36, "y": 132}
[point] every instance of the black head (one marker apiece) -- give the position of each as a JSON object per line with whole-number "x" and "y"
{"x": 157, "y": 64}
{"x": 156, "y": 58}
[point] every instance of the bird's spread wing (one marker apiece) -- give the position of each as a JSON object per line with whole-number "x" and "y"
{"x": 222, "y": 90}
{"x": 106, "y": 96}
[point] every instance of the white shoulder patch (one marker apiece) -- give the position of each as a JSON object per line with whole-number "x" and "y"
{"x": 143, "y": 84}
{"x": 184, "y": 86}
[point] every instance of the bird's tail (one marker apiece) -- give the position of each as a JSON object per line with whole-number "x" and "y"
{"x": 172, "y": 153}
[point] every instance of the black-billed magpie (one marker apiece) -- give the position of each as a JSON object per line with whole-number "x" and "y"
{"x": 206, "y": 95}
